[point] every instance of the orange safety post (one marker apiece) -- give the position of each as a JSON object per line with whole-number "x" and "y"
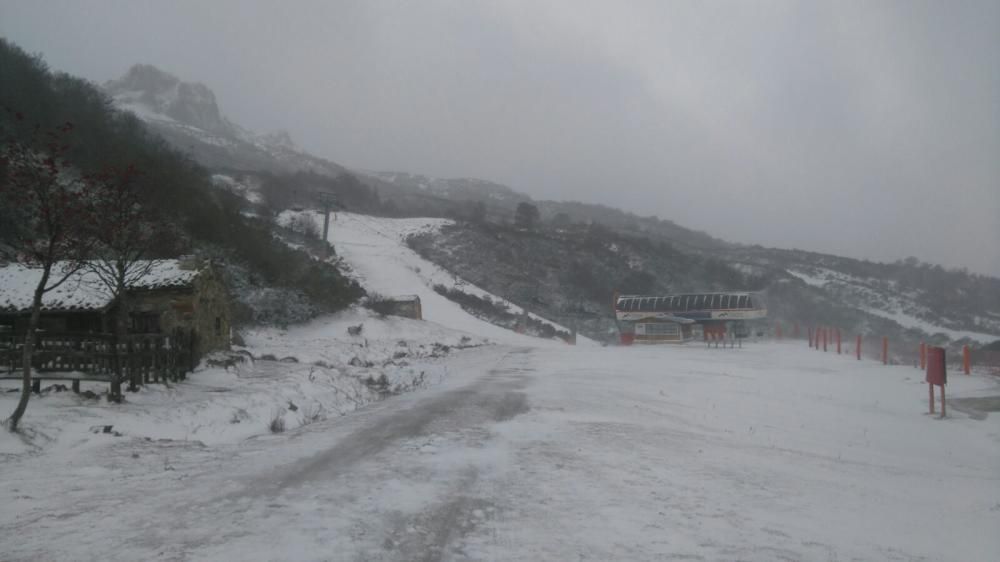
{"x": 778, "y": 330}
{"x": 885, "y": 350}
{"x": 937, "y": 374}
{"x": 923, "y": 355}
{"x": 824, "y": 339}
{"x": 810, "y": 330}
{"x": 838, "y": 341}
{"x": 795, "y": 331}
{"x": 966, "y": 360}
{"x": 930, "y": 396}
{"x": 857, "y": 348}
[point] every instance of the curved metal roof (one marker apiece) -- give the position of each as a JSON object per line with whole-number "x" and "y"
{"x": 690, "y": 302}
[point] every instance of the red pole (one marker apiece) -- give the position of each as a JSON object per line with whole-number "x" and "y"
{"x": 944, "y": 410}
{"x": 779, "y": 330}
{"x": 885, "y": 350}
{"x": 857, "y": 348}
{"x": 795, "y": 331}
{"x": 838, "y": 341}
{"x": 810, "y": 336}
{"x": 923, "y": 355}
{"x": 966, "y": 360}
{"x": 824, "y": 340}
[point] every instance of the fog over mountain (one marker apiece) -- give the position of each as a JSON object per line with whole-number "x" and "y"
{"x": 868, "y": 130}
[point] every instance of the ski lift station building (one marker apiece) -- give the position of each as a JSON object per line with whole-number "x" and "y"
{"x": 682, "y": 317}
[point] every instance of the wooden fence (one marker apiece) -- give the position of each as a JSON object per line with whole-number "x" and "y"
{"x": 144, "y": 358}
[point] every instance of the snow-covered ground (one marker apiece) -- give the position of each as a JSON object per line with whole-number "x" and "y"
{"x": 302, "y": 374}
{"x": 770, "y": 452}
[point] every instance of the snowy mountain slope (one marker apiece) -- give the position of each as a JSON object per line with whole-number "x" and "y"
{"x": 454, "y": 188}
{"x": 375, "y": 250}
{"x": 906, "y": 306}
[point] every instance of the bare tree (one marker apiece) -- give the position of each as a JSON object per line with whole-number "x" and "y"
{"x": 124, "y": 235}
{"x": 45, "y": 200}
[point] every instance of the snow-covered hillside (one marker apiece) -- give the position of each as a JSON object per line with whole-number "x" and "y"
{"x": 888, "y": 300}
{"x": 375, "y": 250}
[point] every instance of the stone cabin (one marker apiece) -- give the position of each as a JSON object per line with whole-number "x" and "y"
{"x": 178, "y": 293}
{"x": 407, "y": 306}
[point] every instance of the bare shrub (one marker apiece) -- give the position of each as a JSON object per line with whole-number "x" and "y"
{"x": 277, "y": 424}
{"x": 305, "y": 225}
{"x": 380, "y": 304}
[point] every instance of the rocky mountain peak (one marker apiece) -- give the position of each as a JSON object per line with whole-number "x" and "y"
{"x": 189, "y": 103}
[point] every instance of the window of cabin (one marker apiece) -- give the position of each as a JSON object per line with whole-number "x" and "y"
{"x": 83, "y": 323}
{"x": 145, "y": 323}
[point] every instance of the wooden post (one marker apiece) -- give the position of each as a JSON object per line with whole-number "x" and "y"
{"x": 923, "y": 356}
{"x": 132, "y": 372}
{"x": 885, "y": 350}
{"x": 76, "y": 386}
{"x": 158, "y": 360}
{"x": 966, "y": 360}
{"x": 930, "y": 395}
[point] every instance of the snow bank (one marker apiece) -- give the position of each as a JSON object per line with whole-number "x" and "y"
{"x": 301, "y": 375}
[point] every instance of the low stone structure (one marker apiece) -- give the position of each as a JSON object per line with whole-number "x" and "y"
{"x": 407, "y": 306}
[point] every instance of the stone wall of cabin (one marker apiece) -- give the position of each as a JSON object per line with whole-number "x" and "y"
{"x": 203, "y": 307}
{"x": 211, "y": 304}
{"x": 407, "y": 308}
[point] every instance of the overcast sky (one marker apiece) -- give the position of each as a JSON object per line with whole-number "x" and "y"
{"x": 869, "y": 129}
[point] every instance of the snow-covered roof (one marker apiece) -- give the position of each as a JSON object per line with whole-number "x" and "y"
{"x": 83, "y": 290}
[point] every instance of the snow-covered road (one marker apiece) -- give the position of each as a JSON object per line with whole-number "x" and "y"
{"x": 771, "y": 452}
